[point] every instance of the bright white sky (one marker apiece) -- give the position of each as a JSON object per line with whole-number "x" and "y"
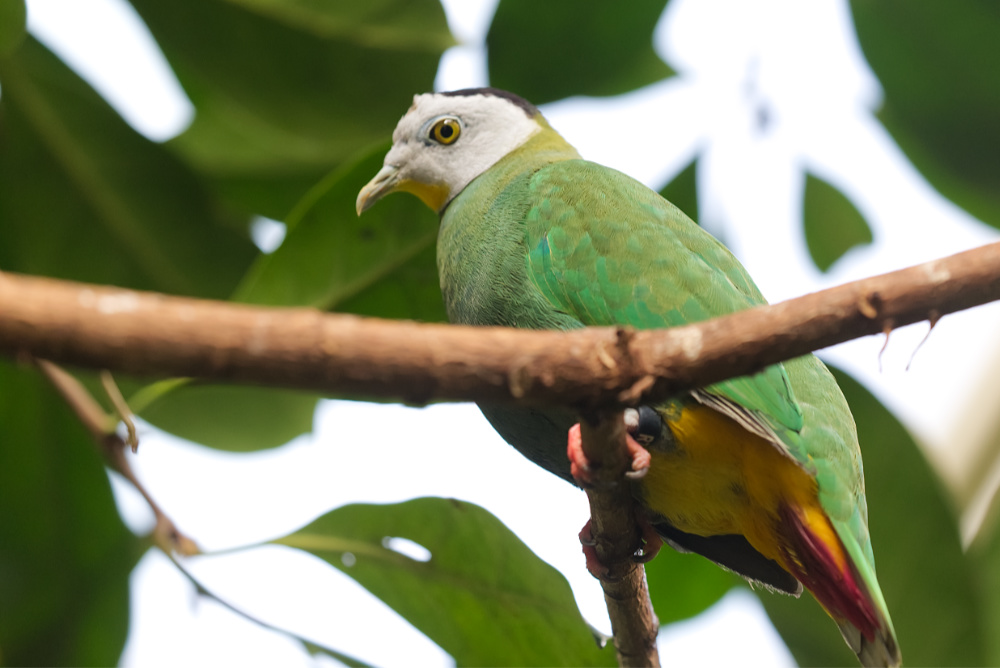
{"x": 799, "y": 58}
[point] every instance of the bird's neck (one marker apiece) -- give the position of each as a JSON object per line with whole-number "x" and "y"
{"x": 481, "y": 246}
{"x": 546, "y": 145}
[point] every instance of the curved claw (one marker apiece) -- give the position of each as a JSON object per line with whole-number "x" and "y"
{"x": 641, "y": 458}
{"x": 651, "y": 543}
{"x": 579, "y": 466}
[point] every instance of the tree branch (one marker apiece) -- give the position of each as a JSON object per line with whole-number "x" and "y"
{"x": 613, "y": 525}
{"x": 157, "y": 335}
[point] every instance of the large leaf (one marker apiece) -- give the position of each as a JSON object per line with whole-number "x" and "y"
{"x": 85, "y": 197}
{"x": 381, "y": 263}
{"x": 811, "y": 636}
{"x": 232, "y": 417}
{"x": 684, "y": 585}
{"x": 939, "y": 63}
{"x": 482, "y": 595}
{"x": 549, "y": 50}
{"x": 929, "y": 585}
{"x": 287, "y": 90}
{"x": 65, "y": 556}
{"x": 833, "y": 225}
{"x": 985, "y": 553}
{"x": 13, "y": 20}
{"x": 682, "y": 190}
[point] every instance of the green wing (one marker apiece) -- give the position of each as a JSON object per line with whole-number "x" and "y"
{"x": 597, "y": 250}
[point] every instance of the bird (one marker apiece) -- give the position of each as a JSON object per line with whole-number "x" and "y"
{"x": 761, "y": 474}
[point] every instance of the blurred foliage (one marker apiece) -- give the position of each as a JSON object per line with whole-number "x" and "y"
{"x": 682, "y": 585}
{"x": 939, "y": 64}
{"x": 332, "y": 256}
{"x": 286, "y": 91}
{"x": 482, "y": 595}
{"x": 682, "y": 190}
{"x": 294, "y": 101}
{"x": 234, "y": 418}
{"x": 85, "y": 197}
{"x": 13, "y": 18}
{"x": 833, "y": 225}
{"x": 65, "y": 555}
{"x": 549, "y": 50}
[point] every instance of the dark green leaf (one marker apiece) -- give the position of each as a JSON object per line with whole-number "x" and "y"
{"x": 411, "y": 292}
{"x": 65, "y": 556}
{"x": 85, "y": 197}
{"x": 833, "y": 225}
{"x": 682, "y": 191}
{"x": 939, "y": 63}
{"x": 234, "y": 418}
{"x": 549, "y": 50}
{"x": 684, "y": 585}
{"x": 985, "y": 553}
{"x": 920, "y": 563}
{"x": 331, "y": 258}
{"x": 13, "y": 21}
{"x": 483, "y": 596}
{"x": 811, "y": 636}
{"x": 288, "y": 90}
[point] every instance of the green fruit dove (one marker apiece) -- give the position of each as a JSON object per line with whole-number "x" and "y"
{"x": 761, "y": 474}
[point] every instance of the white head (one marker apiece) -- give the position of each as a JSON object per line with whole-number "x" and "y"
{"x": 447, "y": 139}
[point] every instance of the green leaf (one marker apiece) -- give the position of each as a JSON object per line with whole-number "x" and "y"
{"x": 929, "y": 585}
{"x": 411, "y": 292}
{"x": 985, "y": 552}
{"x": 65, "y": 556}
{"x": 13, "y": 25}
{"x": 682, "y": 191}
{"x": 87, "y": 198}
{"x": 483, "y": 596}
{"x": 549, "y": 50}
{"x": 381, "y": 263}
{"x": 833, "y": 225}
{"x": 231, "y": 417}
{"x": 811, "y": 636}
{"x": 684, "y": 585}
{"x": 288, "y": 90}
{"x": 939, "y": 63}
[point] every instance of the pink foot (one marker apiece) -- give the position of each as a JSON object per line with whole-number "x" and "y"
{"x": 579, "y": 466}
{"x": 594, "y": 564}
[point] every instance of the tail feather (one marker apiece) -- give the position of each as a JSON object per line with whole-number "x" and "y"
{"x": 817, "y": 557}
{"x": 882, "y": 651}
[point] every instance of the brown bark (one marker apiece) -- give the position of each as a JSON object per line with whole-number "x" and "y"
{"x": 157, "y": 335}
{"x": 616, "y": 537}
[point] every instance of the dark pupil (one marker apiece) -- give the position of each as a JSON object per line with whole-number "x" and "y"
{"x": 446, "y": 131}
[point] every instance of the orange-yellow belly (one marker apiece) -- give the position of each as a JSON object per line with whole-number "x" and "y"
{"x": 722, "y": 479}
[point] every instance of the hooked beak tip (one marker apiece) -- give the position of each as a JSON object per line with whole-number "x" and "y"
{"x": 382, "y": 184}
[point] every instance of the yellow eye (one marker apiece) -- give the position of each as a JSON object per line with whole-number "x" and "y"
{"x": 446, "y": 131}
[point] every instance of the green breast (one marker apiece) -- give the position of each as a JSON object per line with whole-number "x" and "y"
{"x": 482, "y": 246}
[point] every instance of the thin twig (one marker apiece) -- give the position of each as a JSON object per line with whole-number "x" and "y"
{"x": 309, "y": 645}
{"x": 121, "y": 407}
{"x": 166, "y": 535}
